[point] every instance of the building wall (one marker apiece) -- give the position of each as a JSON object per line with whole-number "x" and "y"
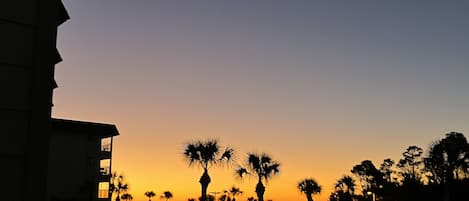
{"x": 67, "y": 164}
{"x": 73, "y": 166}
{"x": 28, "y": 31}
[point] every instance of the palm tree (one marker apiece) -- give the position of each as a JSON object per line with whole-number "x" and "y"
{"x": 150, "y": 194}
{"x": 251, "y": 199}
{"x": 127, "y": 197}
{"x": 263, "y": 167}
{"x": 118, "y": 185}
{"x": 309, "y": 187}
{"x": 234, "y": 192}
{"x": 167, "y": 195}
{"x": 208, "y": 198}
{"x": 206, "y": 154}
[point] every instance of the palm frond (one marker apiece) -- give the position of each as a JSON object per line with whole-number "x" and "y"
{"x": 254, "y": 162}
{"x": 270, "y": 169}
{"x": 265, "y": 159}
{"x": 192, "y": 153}
{"x": 227, "y": 154}
{"x": 241, "y": 171}
{"x": 209, "y": 151}
{"x": 150, "y": 194}
{"x": 309, "y": 186}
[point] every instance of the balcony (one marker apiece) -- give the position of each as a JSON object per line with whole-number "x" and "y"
{"x": 104, "y": 173}
{"x": 106, "y": 147}
{"x": 105, "y": 151}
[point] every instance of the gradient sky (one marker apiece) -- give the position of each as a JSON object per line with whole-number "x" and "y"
{"x": 320, "y": 86}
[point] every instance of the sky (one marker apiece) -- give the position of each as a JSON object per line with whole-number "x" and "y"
{"x": 319, "y": 86}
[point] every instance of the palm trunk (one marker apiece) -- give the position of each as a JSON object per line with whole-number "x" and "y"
{"x": 309, "y": 196}
{"x": 260, "y": 189}
{"x": 446, "y": 196}
{"x": 204, "y": 181}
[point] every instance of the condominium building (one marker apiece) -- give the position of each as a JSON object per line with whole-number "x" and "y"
{"x": 31, "y": 142}
{"x": 80, "y": 158}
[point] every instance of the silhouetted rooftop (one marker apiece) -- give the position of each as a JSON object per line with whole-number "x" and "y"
{"x": 90, "y": 128}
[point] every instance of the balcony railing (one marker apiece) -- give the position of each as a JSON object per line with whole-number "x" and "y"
{"x": 106, "y": 147}
{"x": 105, "y": 171}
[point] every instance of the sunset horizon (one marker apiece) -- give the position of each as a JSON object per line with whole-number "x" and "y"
{"x": 319, "y": 87}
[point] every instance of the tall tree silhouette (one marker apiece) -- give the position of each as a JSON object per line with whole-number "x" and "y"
{"x": 127, "y": 197}
{"x": 345, "y": 188}
{"x": 309, "y": 187}
{"x": 435, "y": 164}
{"x": 369, "y": 176}
{"x": 206, "y": 154}
{"x": 448, "y": 161}
{"x": 346, "y": 184}
{"x": 388, "y": 185}
{"x": 448, "y": 158}
{"x": 167, "y": 195}
{"x": 263, "y": 167}
{"x": 412, "y": 164}
{"x": 150, "y": 194}
{"x": 118, "y": 185}
{"x": 386, "y": 169}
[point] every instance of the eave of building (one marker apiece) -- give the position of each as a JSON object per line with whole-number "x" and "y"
{"x": 82, "y": 127}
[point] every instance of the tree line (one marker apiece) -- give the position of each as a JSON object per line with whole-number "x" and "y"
{"x": 440, "y": 174}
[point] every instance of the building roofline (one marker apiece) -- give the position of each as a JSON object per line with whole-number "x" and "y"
{"x": 89, "y": 128}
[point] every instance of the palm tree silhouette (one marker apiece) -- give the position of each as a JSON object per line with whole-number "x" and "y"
{"x": 127, "y": 197}
{"x": 150, "y": 194}
{"x": 263, "y": 167}
{"x": 251, "y": 199}
{"x": 167, "y": 195}
{"x": 118, "y": 185}
{"x": 309, "y": 187}
{"x": 208, "y": 198}
{"x": 234, "y": 191}
{"x": 206, "y": 154}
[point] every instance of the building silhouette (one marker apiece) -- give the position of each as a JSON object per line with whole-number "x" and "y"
{"x": 39, "y": 154}
{"x": 80, "y": 158}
